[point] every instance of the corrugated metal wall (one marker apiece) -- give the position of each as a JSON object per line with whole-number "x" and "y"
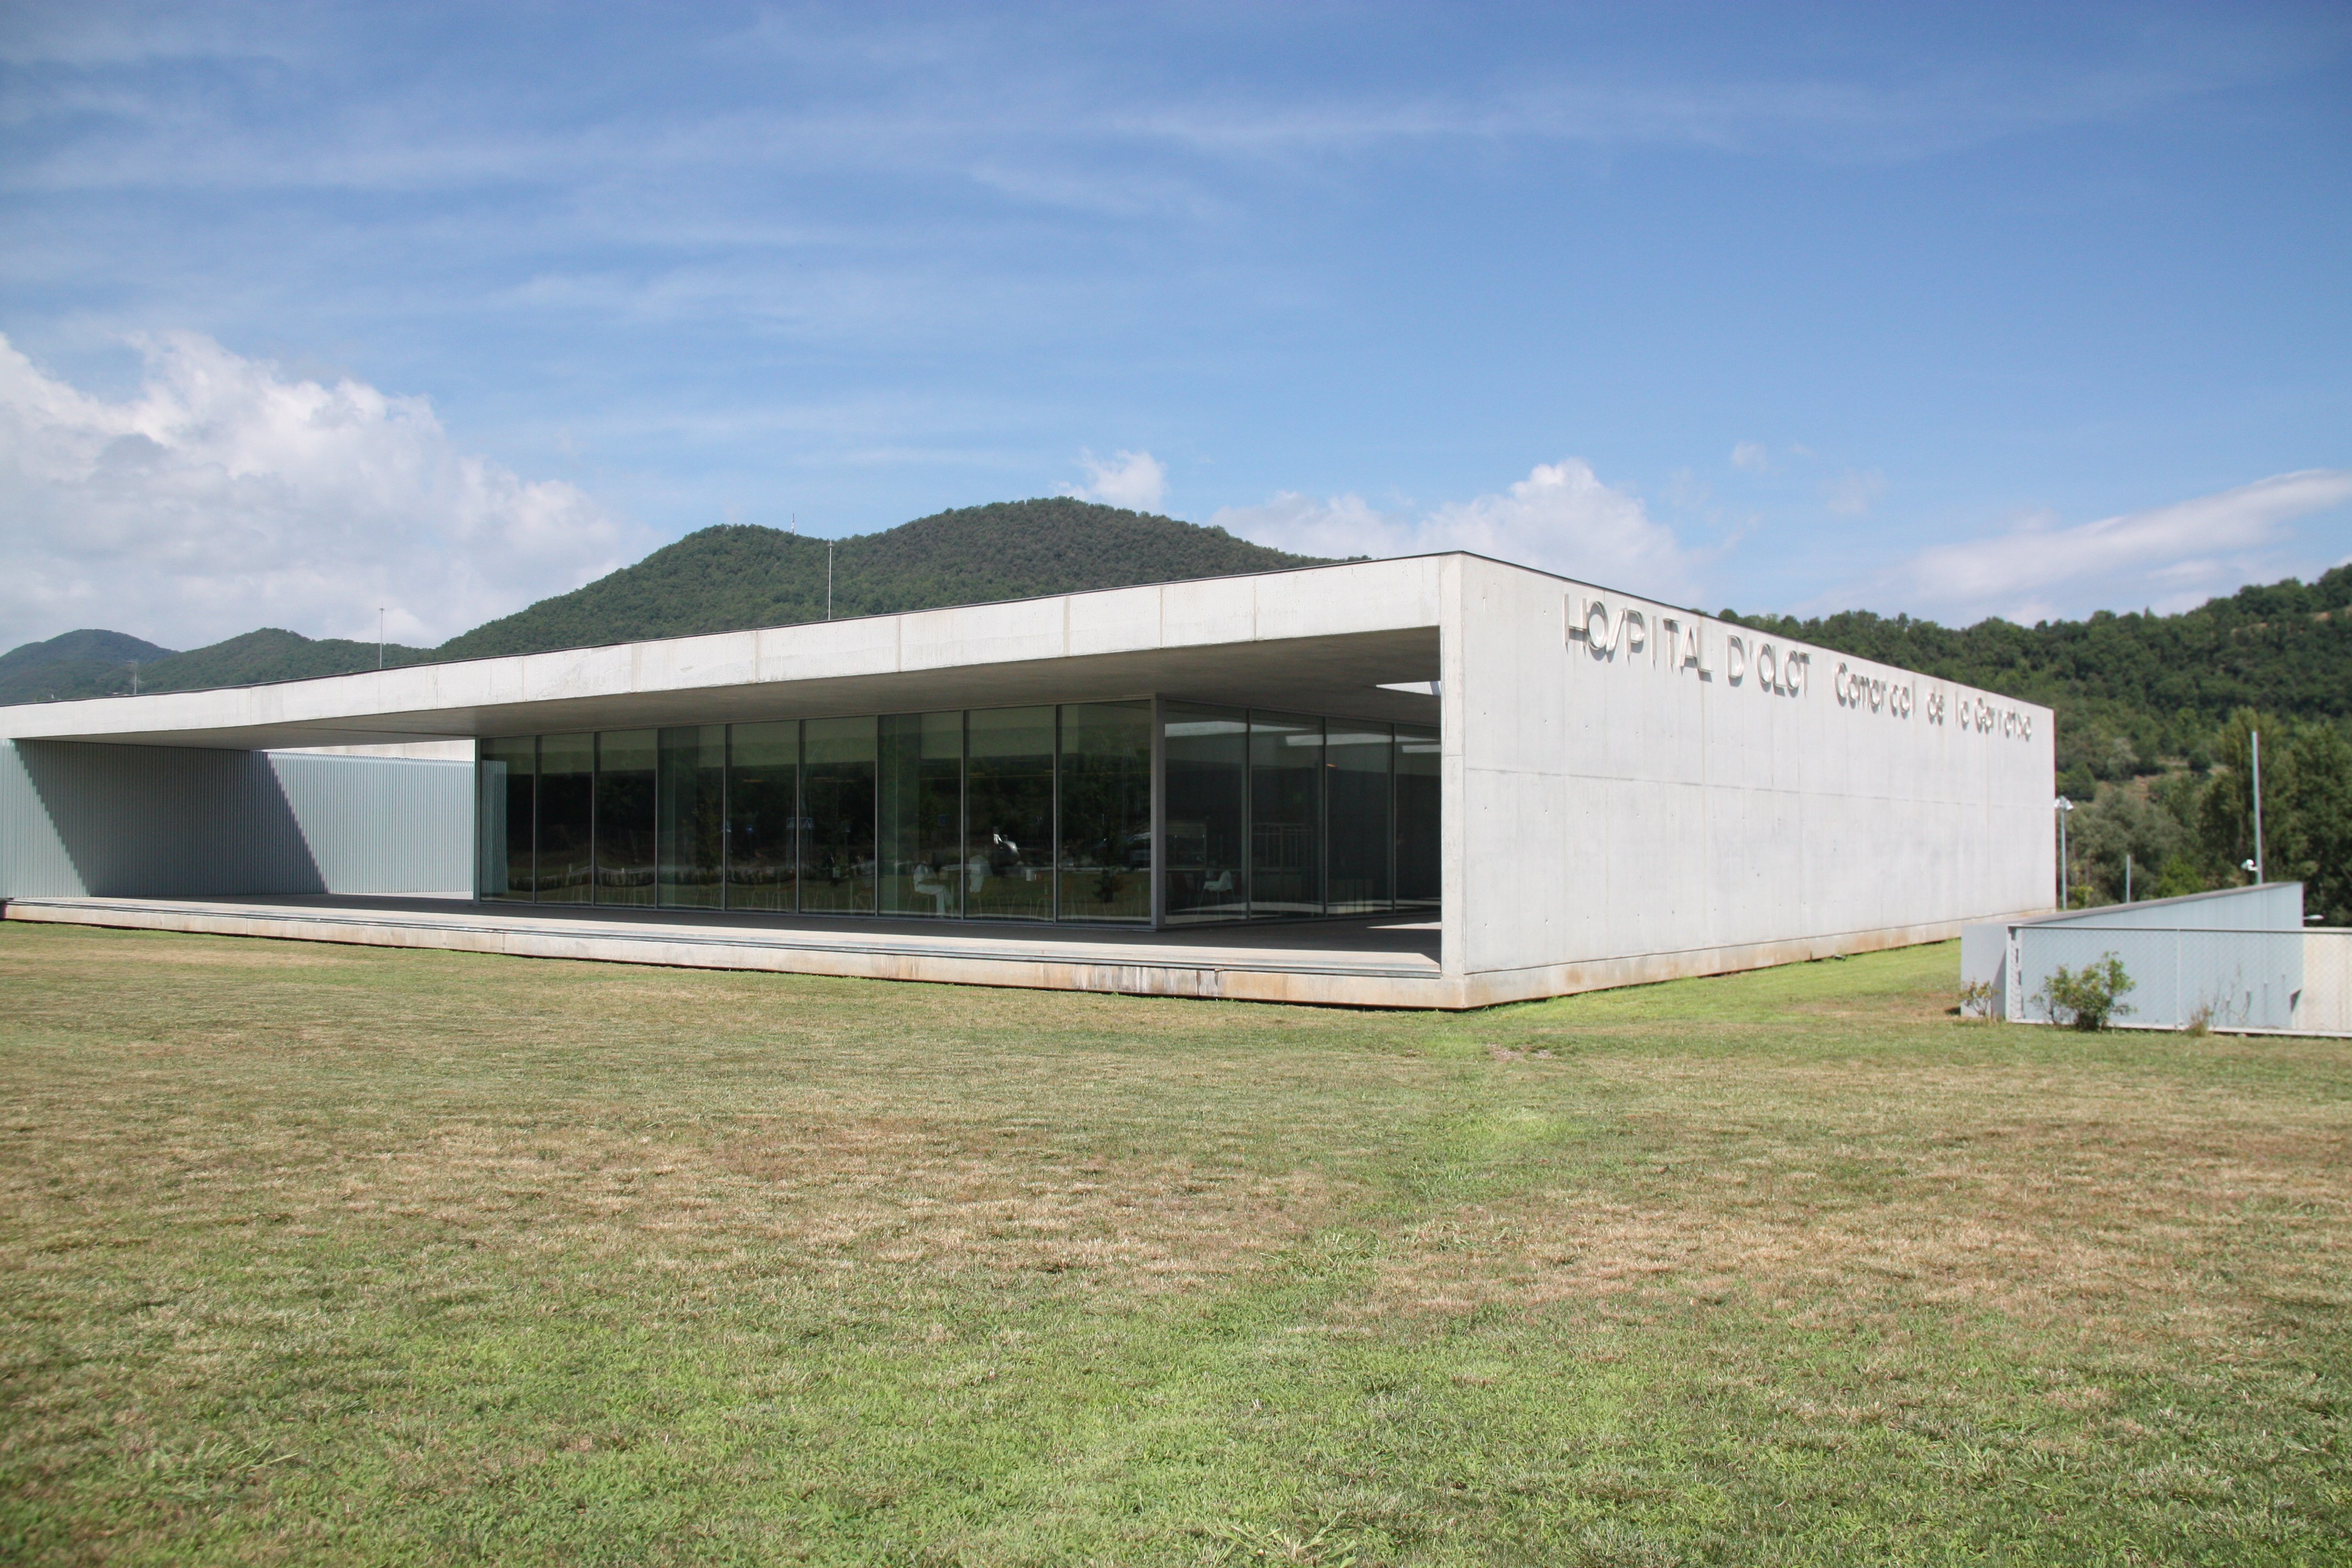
{"x": 137, "y": 821}
{"x": 2234, "y": 957}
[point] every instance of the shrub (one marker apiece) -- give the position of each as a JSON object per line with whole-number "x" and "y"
{"x": 1975, "y": 999}
{"x": 2086, "y": 998}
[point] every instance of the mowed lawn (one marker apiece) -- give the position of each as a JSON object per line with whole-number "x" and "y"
{"x": 331, "y": 1255}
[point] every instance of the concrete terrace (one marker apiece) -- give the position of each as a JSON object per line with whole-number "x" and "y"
{"x": 1379, "y": 961}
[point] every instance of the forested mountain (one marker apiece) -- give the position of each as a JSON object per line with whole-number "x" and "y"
{"x": 71, "y": 664}
{"x": 719, "y": 579}
{"x": 724, "y": 579}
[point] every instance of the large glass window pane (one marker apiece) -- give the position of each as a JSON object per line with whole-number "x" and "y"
{"x": 1106, "y": 823}
{"x": 1418, "y": 853}
{"x": 625, "y": 824}
{"x": 1356, "y": 806}
{"x": 1009, "y": 832}
{"x": 693, "y": 813}
{"x": 921, "y": 831}
{"x": 1285, "y": 814}
{"x": 567, "y": 818}
{"x": 837, "y": 794}
{"x": 1208, "y": 785}
{"x": 762, "y": 808}
{"x": 505, "y": 774}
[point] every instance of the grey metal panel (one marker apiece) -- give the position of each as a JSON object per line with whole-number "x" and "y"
{"x": 2236, "y": 979}
{"x": 129, "y": 821}
{"x": 375, "y": 825}
{"x": 32, "y": 858}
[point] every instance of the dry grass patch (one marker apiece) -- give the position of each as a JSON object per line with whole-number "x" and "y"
{"x": 332, "y": 1254}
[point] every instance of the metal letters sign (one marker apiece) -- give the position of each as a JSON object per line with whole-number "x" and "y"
{"x": 1632, "y": 635}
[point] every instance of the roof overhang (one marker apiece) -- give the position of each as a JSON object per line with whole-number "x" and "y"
{"x": 1320, "y": 639}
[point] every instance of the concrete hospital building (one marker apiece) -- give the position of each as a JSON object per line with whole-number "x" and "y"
{"x": 1436, "y": 781}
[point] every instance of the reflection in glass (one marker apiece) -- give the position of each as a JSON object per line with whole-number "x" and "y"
{"x": 506, "y": 776}
{"x": 1208, "y": 773}
{"x": 1286, "y": 798}
{"x": 567, "y": 818}
{"x": 762, "y": 804}
{"x": 1418, "y": 853}
{"x": 1356, "y": 802}
{"x": 1106, "y": 833}
{"x": 1009, "y": 834}
{"x": 625, "y": 837}
{"x": 838, "y": 795}
{"x": 921, "y": 834}
{"x": 693, "y": 815}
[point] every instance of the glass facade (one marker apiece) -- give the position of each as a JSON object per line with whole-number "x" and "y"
{"x": 1358, "y": 772}
{"x": 692, "y": 799}
{"x": 1285, "y": 806}
{"x": 1008, "y": 875}
{"x": 626, "y": 822}
{"x": 567, "y": 818}
{"x": 505, "y": 809}
{"x": 1418, "y": 854}
{"x": 1103, "y": 864}
{"x": 837, "y": 860}
{"x": 763, "y": 815}
{"x": 921, "y": 831}
{"x": 1208, "y": 806}
{"x": 1004, "y": 813}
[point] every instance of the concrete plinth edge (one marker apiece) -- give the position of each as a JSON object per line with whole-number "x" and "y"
{"x": 1290, "y": 981}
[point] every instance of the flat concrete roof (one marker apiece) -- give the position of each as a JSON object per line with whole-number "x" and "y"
{"x": 1321, "y": 639}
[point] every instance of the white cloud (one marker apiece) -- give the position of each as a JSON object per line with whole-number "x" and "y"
{"x": 2167, "y": 558}
{"x": 1751, "y": 456}
{"x": 1561, "y": 518}
{"x": 1132, "y": 479}
{"x": 1852, "y": 493}
{"x": 222, "y": 495}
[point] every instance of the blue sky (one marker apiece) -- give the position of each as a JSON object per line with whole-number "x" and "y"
{"x": 2025, "y": 311}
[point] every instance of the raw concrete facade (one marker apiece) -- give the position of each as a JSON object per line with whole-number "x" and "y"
{"x": 1631, "y": 792}
{"x": 1635, "y": 792}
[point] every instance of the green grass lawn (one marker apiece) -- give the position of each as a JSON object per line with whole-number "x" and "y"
{"x": 345, "y": 1254}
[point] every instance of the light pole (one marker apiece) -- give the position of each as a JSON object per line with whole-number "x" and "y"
{"x": 2256, "y": 737}
{"x": 379, "y": 637}
{"x": 2061, "y": 805}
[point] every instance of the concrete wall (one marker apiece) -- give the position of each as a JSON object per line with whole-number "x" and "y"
{"x": 2324, "y": 1006}
{"x": 137, "y": 821}
{"x": 1638, "y": 800}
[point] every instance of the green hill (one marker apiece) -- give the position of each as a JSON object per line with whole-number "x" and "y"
{"x": 250, "y": 659}
{"x": 74, "y": 664}
{"x": 724, "y": 579}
